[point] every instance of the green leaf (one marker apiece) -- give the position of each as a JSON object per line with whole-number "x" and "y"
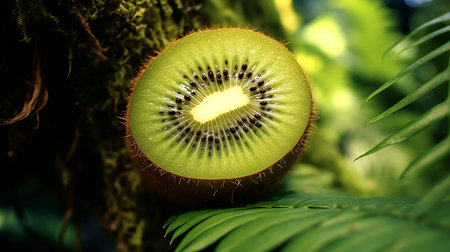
{"x": 195, "y": 218}
{"x": 439, "y": 215}
{"x": 432, "y": 240}
{"x": 427, "y": 37}
{"x": 326, "y": 223}
{"x": 330, "y": 230}
{"x": 416, "y": 94}
{"x": 441, "y": 19}
{"x": 432, "y": 198}
{"x": 209, "y": 235}
{"x": 371, "y": 234}
{"x": 178, "y": 220}
{"x": 266, "y": 234}
{"x": 433, "y": 115}
{"x": 445, "y": 17}
{"x": 245, "y": 232}
{"x": 440, "y": 50}
{"x": 436, "y": 153}
{"x": 285, "y": 202}
{"x": 221, "y": 218}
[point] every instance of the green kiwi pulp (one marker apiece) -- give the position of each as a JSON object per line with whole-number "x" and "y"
{"x": 218, "y": 113}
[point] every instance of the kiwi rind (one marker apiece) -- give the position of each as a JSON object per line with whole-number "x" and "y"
{"x": 163, "y": 122}
{"x": 191, "y": 192}
{"x": 197, "y": 192}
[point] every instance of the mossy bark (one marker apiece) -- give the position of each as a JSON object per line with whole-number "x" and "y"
{"x": 69, "y": 65}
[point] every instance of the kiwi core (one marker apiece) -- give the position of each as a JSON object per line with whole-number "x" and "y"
{"x": 219, "y": 103}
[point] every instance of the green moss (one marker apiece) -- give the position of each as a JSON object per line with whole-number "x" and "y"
{"x": 91, "y": 50}
{"x": 128, "y": 33}
{"x": 29, "y": 13}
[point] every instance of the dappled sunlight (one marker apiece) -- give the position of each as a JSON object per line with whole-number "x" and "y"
{"x": 332, "y": 49}
{"x": 365, "y": 166}
{"x": 327, "y": 35}
{"x": 311, "y": 64}
{"x": 289, "y": 18}
{"x": 344, "y": 100}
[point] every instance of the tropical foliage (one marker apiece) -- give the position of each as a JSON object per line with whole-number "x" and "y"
{"x": 298, "y": 221}
{"x": 68, "y": 183}
{"x": 316, "y": 223}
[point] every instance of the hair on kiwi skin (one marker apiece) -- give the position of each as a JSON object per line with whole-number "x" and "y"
{"x": 194, "y": 192}
{"x": 191, "y": 192}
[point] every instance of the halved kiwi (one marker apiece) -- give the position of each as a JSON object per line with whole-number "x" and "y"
{"x": 218, "y": 116}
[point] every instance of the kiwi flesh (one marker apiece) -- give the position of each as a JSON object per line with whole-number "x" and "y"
{"x": 218, "y": 117}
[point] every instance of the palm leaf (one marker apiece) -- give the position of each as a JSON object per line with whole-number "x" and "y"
{"x": 195, "y": 218}
{"x": 268, "y": 233}
{"x": 427, "y": 37}
{"x": 435, "y": 154}
{"x": 441, "y": 19}
{"x": 416, "y": 94}
{"x": 432, "y": 198}
{"x": 185, "y": 218}
{"x": 215, "y": 226}
{"x": 340, "y": 223}
{"x": 320, "y": 223}
{"x": 433, "y": 54}
{"x": 439, "y": 112}
{"x": 412, "y": 128}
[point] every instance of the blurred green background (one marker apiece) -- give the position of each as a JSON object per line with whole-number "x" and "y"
{"x": 342, "y": 46}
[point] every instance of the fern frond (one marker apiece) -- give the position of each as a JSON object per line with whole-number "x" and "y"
{"x": 432, "y": 156}
{"x": 412, "y": 128}
{"x": 197, "y": 218}
{"x": 324, "y": 223}
{"x": 433, "y": 54}
{"x": 439, "y": 112}
{"x": 426, "y": 38}
{"x": 430, "y": 200}
{"x": 441, "y": 19}
{"x": 176, "y": 221}
{"x": 340, "y": 223}
{"x": 416, "y": 94}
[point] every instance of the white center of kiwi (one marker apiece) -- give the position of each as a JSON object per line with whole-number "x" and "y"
{"x": 219, "y": 103}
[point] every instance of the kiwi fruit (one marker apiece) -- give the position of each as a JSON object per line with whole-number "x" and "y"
{"x": 218, "y": 117}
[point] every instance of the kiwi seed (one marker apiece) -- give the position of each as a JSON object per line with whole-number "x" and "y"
{"x": 219, "y": 116}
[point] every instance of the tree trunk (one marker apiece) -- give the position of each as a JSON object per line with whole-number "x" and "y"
{"x": 68, "y": 67}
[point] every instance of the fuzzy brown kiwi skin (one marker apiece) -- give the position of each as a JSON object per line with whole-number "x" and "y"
{"x": 195, "y": 193}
